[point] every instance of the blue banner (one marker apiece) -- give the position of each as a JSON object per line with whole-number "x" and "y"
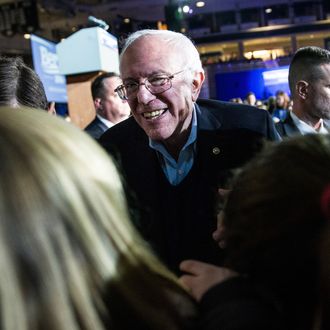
{"x": 263, "y": 82}
{"x": 46, "y": 65}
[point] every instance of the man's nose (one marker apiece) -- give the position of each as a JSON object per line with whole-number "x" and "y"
{"x": 143, "y": 94}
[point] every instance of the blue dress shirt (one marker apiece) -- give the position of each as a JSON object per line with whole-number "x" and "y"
{"x": 176, "y": 171}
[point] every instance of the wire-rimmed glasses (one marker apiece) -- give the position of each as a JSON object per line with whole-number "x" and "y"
{"x": 155, "y": 84}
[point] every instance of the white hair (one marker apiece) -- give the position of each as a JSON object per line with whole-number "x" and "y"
{"x": 177, "y": 40}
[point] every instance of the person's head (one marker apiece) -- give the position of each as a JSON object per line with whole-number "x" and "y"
{"x": 273, "y": 215}
{"x": 271, "y": 102}
{"x": 259, "y": 104}
{"x": 309, "y": 80}
{"x": 236, "y": 100}
{"x": 106, "y": 101}
{"x": 69, "y": 256}
{"x": 282, "y": 100}
{"x": 168, "y": 67}
{"x": 251, "y": 98}
{"x": 20, "y": 85}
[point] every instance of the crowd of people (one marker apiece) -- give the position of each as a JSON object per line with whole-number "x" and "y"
{"x": 277, "y": 105}
{"x": 184, "y": 214}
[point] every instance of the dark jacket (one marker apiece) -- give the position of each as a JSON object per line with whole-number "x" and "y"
{"x": 96, "y": 128}
{"x": 240, "y": 304}
{"x": 179, "y": 220}
{"x": 287, "y": 127}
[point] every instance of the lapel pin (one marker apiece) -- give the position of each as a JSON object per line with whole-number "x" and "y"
{"x": 216, "y": 151}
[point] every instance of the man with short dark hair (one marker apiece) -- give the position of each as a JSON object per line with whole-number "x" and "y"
{"x": 110, "y": 109}
{"x": 309, "y": 82}
{"x": 176, "y": 151}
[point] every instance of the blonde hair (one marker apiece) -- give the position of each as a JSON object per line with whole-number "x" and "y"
{"x": 65, "y": 235}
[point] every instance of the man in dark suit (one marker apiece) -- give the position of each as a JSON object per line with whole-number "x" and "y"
{"x": 175, "y": 152}
{"x": 110, "y": 109}
{"x": 309, "y": 81}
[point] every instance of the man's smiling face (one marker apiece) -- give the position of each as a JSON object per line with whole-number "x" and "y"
{"x": 163, "y": 117}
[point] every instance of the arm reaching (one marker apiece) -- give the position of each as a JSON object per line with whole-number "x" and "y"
{"x": 202, "y": 276}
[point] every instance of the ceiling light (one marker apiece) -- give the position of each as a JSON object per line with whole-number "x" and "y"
{"x": 126, "y": 20}
{"x": 27, "y": 36}
{"x": 200, "y": 4}
{"x": 186, "y": 9}
{"x": 268, "y": 10}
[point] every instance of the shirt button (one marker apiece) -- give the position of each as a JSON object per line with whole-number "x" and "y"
{"x": 180, "y": 172}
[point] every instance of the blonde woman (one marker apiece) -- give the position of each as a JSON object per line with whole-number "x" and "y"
{"x": 69, "y": 256}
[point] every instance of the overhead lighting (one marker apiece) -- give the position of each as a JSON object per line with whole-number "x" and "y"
{"x": 185, "y": 9}
{"x": 268, "y": 10}
{"x": 200, "y": 4}
{"x": 27, "y": 36}
{"x": 126, "y": 20}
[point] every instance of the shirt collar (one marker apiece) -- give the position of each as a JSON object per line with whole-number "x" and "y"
{"x": 305, "y": 128}
{"x": 106, "y": 122}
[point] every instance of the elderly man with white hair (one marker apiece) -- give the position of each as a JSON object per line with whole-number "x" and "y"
{"x": 176, "y": 151}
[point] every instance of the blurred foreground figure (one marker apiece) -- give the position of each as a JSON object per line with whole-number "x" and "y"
{"x": 274, "y": 217}
{"x": 69, "y": 256}
{"x": 324, "y": 314}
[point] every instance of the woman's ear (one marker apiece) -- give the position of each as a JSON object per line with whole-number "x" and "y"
{"x": 197, "y": 84}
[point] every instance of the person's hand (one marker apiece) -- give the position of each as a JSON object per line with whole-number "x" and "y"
{"x": 202, "y": 276}
{"x": 218, "y": 234}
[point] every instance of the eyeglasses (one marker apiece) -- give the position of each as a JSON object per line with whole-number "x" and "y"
{"x": 156, "y": 84}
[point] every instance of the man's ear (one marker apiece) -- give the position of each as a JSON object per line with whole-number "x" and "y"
{"x": 197, "y": 84}
{"x": 97, "y": 103}
{"x": 302, "y": 88}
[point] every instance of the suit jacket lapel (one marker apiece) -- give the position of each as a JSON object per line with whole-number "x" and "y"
{"x": 290, "y": 128}
{"x": 101, "y": 125}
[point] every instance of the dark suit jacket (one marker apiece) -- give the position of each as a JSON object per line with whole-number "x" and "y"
{"x": 287, "y": 127}
{"x": 96, "y": 128}
{"x": 179, "y": 220}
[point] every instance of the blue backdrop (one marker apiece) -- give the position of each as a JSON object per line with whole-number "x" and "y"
{"x": 262, "y": 81}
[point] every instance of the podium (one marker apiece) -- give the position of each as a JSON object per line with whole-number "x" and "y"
{"x": 82, "y": 57}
